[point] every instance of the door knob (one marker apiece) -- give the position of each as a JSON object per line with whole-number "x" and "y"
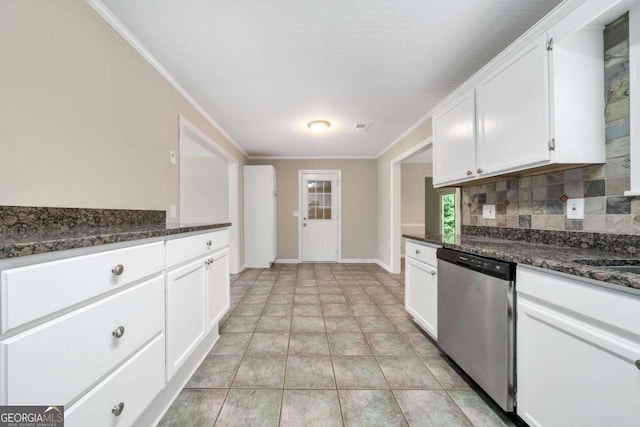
{"x": 433, "y": 273}
{"x": 118, "y": 270}
{"x": 417, "y": 251}
{"x": 469, "y": 172}
{"x": 479, "y": 170}
{"x": 638, "y": 363}
{"x": 304, "y": 225}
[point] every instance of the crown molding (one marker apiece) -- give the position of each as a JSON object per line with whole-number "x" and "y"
{"x": 120, "y": 28}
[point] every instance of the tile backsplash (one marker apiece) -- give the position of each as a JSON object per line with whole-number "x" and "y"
{"x": 539, "y": 202}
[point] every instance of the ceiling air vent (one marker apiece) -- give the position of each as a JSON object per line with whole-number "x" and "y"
{"x": 360, "y": 127}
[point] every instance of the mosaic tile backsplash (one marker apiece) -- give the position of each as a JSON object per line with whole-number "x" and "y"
{"x": 539, "y": 202}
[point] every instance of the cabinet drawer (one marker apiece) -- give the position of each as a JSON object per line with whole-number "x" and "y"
{"x": 181, "y": 250}
{"x": 597, "y": 305}
{"x": 31, "y": 292}
{"x": 134, "y": 384}
{"x": 424, "y": 253}
{"x": 58, "y": 360}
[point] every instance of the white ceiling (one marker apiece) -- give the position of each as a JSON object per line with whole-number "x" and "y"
{"x": 264, "y": 68}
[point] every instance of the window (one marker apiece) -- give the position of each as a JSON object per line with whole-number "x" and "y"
{"x": 449, "y": 211}
{"x": 319, "y": 199}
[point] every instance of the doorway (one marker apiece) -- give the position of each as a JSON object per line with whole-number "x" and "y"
{"x": 319, "y": 216}
{"x": 209, "y": 185}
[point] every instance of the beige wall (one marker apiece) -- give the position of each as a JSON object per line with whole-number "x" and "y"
{"x": 204, "y": 188}
{"x": 412, "y": 196}
{"x": 417, "y": 135}
{"x": 85, "y": 120}
{"x": 412, "y": 177}
{"x": 358, "y": 205}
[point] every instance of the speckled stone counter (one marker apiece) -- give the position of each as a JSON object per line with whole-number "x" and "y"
{"x": 35, "y": 230}
{"x": 564, "y": 259}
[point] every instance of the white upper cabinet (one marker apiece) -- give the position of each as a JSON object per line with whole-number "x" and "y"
{"x": 513, "y": 113}
{"x": 540, "y": 103}
{"x": 454, "y": 154}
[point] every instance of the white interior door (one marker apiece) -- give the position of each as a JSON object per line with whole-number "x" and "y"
{"x": 320, "y": 196}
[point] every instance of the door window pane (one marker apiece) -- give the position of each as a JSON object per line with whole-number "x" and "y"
{"x": 319, "y": 199}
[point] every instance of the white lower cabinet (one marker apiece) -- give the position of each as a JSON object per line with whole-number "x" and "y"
{"x": 121, "y": 397}
{"x": 114, "y": 330}
{"x": 218, "y": 288}
{"x": 421, "y": 287}
{"x": 56, "y": 361}
{"x": 198, "y": 295}
{"x": 578, "y": 350}
{"x": 186, "y": 312}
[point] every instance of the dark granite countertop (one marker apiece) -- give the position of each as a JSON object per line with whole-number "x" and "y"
{"x": 570, "y": 260}
{"x": 41, "y": 241}
{"x": 29, "y": 230}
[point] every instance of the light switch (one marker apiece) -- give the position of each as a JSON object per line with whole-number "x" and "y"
{"x": 489, "y": 211}
{"x": 172, "y": 211}
{"x": 575, "y": 209}
{"x": 172, "y": 157}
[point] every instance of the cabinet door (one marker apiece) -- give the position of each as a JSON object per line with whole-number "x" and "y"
{"x": 573, "y": 373}
{"x": 186, "y": 312}
{"x": 454, "y": 143}
{"x": 513, "y": 113}
{"x": 421, "y": 295}
{"x": 218, "y": 288}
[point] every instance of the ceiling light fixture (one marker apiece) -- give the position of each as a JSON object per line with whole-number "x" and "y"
{"x": 318, "y": 126}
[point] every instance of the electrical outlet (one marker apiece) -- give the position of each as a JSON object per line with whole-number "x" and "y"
{"x": 575, "y": 208}
{"x": 172, "y": 157}
{"x": 489, "y": 211}
{"x": 173, "y": 211}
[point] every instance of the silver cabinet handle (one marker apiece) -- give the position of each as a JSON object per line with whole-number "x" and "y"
{"x": 118, "y": 270}
{"x": 117, "y": 410}
{"x": 433, "y": 273}
{"x": 638, "y": 363}
{"x": 479, "y": 170}
{"x": 304, "y": 225}
{"x": 209, "y": 243}
{"x": 209, "y": 261}
{"x": 417, "y": 251}
{"x": 118, "y": 332}
{"x": 469, "y": 172}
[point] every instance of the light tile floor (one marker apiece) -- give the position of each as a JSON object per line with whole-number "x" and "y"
{"x": 325, "y": 345}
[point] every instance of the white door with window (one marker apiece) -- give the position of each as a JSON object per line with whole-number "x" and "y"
{"x": 320, "y": 198}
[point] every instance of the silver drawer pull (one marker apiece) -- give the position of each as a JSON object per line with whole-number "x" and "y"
{"x": 118, "y": 270}
{"x": 417, "y": 251}
{"x": 209, "y": 243}
{"x": 469, "y": 172}
{"x": 433, "y": 273}
{"x": 118, "y": 332}
{"x": 479, "y": 170}
{"x": 117, "y": 410}
{"x": 638, "y": 363}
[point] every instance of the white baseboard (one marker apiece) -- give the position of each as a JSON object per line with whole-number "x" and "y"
{"x": 242, "y": 268}
{"x": 286, "y": 261}
{"x": 359, "y": 261}
{"x": 383, "y": 265}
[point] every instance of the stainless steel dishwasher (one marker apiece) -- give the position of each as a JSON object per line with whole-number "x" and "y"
{"x": 476, "y": 322}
